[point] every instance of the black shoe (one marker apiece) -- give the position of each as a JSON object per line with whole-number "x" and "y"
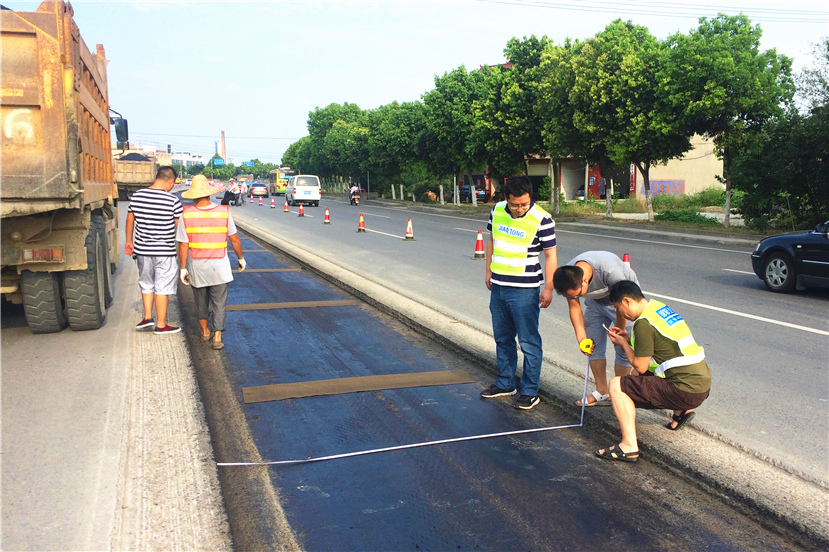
{"x": 495, "y": 391}
{"x": 525, "y": 402}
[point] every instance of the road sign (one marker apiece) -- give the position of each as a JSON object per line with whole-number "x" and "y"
{"x": 218, "y": 162}
{"x": 247, "y": 163}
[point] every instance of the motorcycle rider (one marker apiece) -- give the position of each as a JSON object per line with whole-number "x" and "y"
{"x": 353, "y": 192}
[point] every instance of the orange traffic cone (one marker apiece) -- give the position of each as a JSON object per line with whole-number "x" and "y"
{"x": 273, "y": 203}
{"x": 626, "y": 259}
{"x": 409, "y": 233}
{"x": 260, "y": 201}
{"x": 361, "y": 226}
{"x": 480, "y": 253}
{"x": 286, "y": 206}
{"x": 301, "y": 210}
{"x": 251, "y": 198}
{"x": 327, "y": 219}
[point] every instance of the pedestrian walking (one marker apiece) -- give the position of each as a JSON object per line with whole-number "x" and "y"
{"x": 675, "y": 373}
{"x": 520, "y": 233}
{"x": 202, "y": 249}
{"x": 152, "y": 218}
{"x": 590, "y": 276}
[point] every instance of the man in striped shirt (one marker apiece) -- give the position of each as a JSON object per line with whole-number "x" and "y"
{"x": 520, "y": 232}
{"x": 151, "y": 238}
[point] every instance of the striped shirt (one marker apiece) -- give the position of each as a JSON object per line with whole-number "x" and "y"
{"x": 545, "y": 238}
{"x": 155, "y": 213}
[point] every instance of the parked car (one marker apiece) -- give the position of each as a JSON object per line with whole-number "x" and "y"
{"x": 465, "y": 193}
{"x": 794, "y": 261}
{"x": 303, "y": 188}
{"x": 258, "y": 189}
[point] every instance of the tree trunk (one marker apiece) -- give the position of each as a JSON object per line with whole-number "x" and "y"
{"x": 645, "y": 169}
{"x": 555, "y": 197}
{"x": 608, "y": 198}
{"x": 727, "y": 168}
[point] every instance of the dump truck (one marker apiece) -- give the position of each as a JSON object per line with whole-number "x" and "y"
{"x": 58, "y": 201}
{"x": 133, "y": 172}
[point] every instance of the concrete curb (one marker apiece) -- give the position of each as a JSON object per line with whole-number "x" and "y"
{"x": 773, "y": 496}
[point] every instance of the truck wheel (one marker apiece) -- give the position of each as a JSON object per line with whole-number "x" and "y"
{"x": 100, "y": 225}
{"x": 84, "y": 289}
{"x": 41, "y": 301}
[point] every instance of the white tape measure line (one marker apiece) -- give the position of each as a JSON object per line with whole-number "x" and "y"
{"x": 417, "y": 445}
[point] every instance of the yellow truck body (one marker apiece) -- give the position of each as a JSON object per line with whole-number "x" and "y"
{"x": 57, "y": 193}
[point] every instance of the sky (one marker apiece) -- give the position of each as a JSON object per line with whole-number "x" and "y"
{"x": 183, "y": 72}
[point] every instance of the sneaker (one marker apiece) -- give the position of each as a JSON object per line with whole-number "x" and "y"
{"x": 495, "y": 391}
{"x": 525, "y": 402}
{"x": 146, "y": 323}
{"x": 167, "y": 329}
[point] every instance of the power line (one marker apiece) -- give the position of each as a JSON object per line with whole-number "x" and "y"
{"x": 214, "y": 137}
{"x": 666, "y": 10}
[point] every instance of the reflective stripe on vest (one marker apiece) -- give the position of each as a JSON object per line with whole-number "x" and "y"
{"x": 511, "y": 239}
{"x": 207, "y": 231}
{"x": 671, "y": 326}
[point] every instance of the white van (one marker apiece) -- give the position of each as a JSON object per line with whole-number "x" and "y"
{"x": 303, "y": 188}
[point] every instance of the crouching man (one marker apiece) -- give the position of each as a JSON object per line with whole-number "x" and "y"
{"x": 662, "y": 347}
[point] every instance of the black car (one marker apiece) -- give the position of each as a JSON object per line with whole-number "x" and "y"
{"x": 465, "y": 194}
{"x": 798, "y": 260}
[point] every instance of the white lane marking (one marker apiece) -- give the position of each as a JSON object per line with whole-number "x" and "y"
{"x": 739, "y": 271}
{"x": 304, "y": 215}
{"x": 741, "y": 314}
{"x": 468, "y": 230}
{"x": 373, "y": 215}
{"x": 399, "y": 237}
{"x": 652, "y": 242}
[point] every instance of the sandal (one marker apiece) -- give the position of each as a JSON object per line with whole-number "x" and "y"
{"x": 613, "y": 452}
{"x": 205, "y": 337}
{"x": 680, "y": 420}
{"x": 218, "y": 345}
{"x": 599, "y": 400}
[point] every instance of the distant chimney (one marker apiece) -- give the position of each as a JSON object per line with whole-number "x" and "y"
{"x": 169, "y": 148}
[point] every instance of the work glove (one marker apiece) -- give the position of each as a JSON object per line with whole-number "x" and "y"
{"x": 185, "y": 277}
{"x": 242, "y": 264}
{"x": 586, "y": 346}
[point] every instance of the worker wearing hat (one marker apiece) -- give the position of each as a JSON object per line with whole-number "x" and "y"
{"x": 202, "y": 247}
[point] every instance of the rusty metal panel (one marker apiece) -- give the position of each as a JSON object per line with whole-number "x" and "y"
{"x": 32, "y": 125}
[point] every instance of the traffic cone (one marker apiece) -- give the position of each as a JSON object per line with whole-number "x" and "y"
{"x": 251, "y": 198}
{"x": 361, "y": 226}
{"x": 260, "y": 201}
{"x": 480, "y": 252}
{"x": 273, "y": 203}
{"x": 286, "y": 206}
{"x": 409, "y": 233}
{"x": 327, "y": 219}
{"x": 626, "y": 259}
{"x": 301, "y": 210}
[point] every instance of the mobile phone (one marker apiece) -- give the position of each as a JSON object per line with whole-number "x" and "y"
{"x": 606, "y": 328}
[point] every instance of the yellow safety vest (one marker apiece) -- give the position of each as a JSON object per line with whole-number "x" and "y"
{"x": 673, "y": 327}
{"x": 511, "y": 239}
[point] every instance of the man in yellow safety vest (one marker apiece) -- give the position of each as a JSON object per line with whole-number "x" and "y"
{"x": 520, "y": 233}
{"x": 663, "y": 348}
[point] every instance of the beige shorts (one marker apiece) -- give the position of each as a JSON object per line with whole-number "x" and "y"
{"x": 158, "y": 275}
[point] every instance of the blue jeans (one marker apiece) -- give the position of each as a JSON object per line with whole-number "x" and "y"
{"x": 515, "y": 313}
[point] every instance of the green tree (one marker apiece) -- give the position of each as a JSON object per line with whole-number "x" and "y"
{"x": 616, "y": 99}
{"x": 298, "y": 156}
{"x": 813, "y": 82}
{"x": 505, "y": 122}
{"x": 194, "y": 169}
{"x": 394, "y": 135}
{"x": 346, "y": 148}
{"x": 718, "y": 80}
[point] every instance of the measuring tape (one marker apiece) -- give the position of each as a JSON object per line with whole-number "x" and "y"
{"x": 424, "y": 444}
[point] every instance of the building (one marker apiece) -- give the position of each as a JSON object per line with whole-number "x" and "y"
{"x": 186, "y": 158}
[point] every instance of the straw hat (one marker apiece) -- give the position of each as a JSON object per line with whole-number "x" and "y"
{"x": 200, "y": 188}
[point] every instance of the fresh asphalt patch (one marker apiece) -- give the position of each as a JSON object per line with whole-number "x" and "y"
{"x": 543, "y": 491}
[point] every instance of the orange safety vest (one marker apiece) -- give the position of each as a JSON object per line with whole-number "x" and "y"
{"x": 207, "y": 231}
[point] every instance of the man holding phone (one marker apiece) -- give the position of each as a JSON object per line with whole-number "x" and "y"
{"x": 590, "y": 276}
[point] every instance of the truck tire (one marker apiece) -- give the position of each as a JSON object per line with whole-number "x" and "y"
{"x": 41, "y": 301}
{"x": 100, "y": 225}
{"x": 84, "y": 289}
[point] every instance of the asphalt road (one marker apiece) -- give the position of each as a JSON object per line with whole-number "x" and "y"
{"x": 543, "y": 491}
{"x": 769, "y": 353}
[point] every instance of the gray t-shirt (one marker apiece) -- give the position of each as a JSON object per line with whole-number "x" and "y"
{"x": 607, "y": 270}
{"x": 208, "y": 272}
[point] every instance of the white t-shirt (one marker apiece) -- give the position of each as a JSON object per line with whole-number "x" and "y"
{"x": 208, "y": 272}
